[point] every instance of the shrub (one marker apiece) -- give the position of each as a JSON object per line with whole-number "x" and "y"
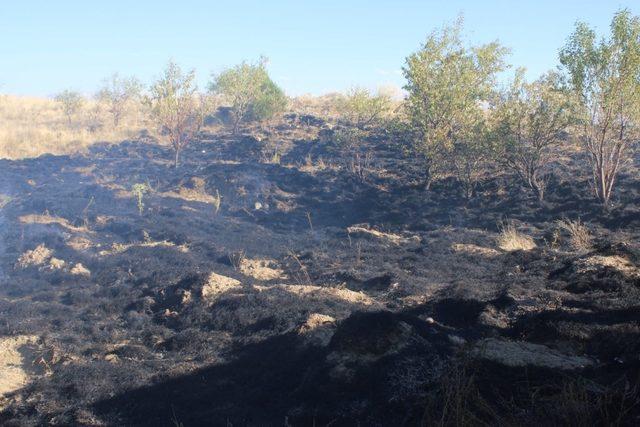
{"x": 604, "y": 76}
{"x": 357, "y": 158}
{"x": 361, "y": 108}
{"x": 172, "y": 100}
{"x": 117, "y": 92}
{"x": 510, "y": 239}
{"x": 529, "y": 119}
{"x": 71, "y": 102}
{"x": 447, "y": 84}
{"x": 139, "y": 190}
{"x": 250, "y": 91}
{"x": 579, "y": 235}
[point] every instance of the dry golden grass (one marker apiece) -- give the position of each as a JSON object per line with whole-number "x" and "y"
{"x": 511, "y": 239}
{"x": 17, "y": 362}
{"x": 30, "y": 127}
{"x": 580, "y": 238}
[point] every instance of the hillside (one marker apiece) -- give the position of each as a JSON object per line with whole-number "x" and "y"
{"x": 245, "y": 288}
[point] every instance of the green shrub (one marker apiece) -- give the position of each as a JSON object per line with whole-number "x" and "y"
{"x": 361, "y": 108}
{"x": 448, "y": 83}
{"x": 172, "y": 100}
{"x": 250, "y": 92}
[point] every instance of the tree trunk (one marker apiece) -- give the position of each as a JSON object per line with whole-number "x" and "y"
{"x": 177, "y": 158}
{"x": 236, "y": 125}
{"x": 429, "y": 177}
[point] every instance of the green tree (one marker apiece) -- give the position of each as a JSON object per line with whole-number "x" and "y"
{"x": 250, "y": 91}
{"x": 117, "y": 92}
{"x": 71, "y": 102}
{"x": 172, "y": 101}
{"x": 605, "y": 76}
{"x": 529, "y": 120}
{"x": 447, "y": 84}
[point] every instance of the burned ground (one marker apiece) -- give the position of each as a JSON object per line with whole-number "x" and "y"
{"x": 246, "y": 291}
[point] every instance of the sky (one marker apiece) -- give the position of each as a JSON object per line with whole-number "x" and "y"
{"x": 313, "y": 47}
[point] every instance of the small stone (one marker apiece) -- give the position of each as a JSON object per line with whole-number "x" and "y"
{"x": 456, "y": 340}
{"x": 522, "y": 353}
{"x": 113, "y": 358}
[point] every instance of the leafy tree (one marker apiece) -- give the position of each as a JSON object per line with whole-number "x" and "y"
{"x": 250, "y": 91}
{"x": 529, "y": 120}
{"x": 172, "y": 100}
{"x": 447, "y": 84}
{"x": 71, "y": 102}
{"x": 117, "y": 92}
{"x": 605, "y": 75}
{"x": 360, "y": 107}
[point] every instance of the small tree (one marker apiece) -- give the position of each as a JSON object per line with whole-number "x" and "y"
{"x": 360, "y": 107}
{"x": 71, "y": 102}
{"x": 250, "y": 91}
{"x": 172, "y": 102}
{"x": 529, "y": 120}
{"x": 447, "y": 85}
{"x": 605, "y": 75}
{"x": 117, "y": 92}
{"x": 468, "y": 158}
{"x": 206, "y": 105}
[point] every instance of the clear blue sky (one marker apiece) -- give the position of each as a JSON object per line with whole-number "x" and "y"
{"x": 313, "y": 46}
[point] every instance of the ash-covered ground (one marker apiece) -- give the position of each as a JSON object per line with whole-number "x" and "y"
{"x": 248, "y": 288}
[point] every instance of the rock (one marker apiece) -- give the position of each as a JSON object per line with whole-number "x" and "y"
{"x": 371, "y": 334}
{"x": 493, "y": 318}
{"x": 522, "y": 353}
{"x": 218, "y": 284}
{"x": 456, "y": 340}
{"x": 112, "y": 358}
{"x": 318, "y": 329}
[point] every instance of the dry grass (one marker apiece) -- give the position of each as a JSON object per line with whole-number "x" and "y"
{"x": 579, "y": 235}
{"x": 510, "y": 239}
{"x": 322, "y": 106}
{"x": 30, "y": 127}
{"x": 16, "y": 362}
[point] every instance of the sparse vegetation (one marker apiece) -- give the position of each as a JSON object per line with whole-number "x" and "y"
{"x": 510, "y": 239}
{"x": 448, "y": 83}
{"x": 139, "y": 190}
{"x": 217, "y": 201}
{"x": 604, "y": 75}
{"x": 361, "y": 108}
{"x": 71, "y": 102}
{"x": 530, "y": 119}
{"x": 172, "y": 101}
{"x": 250, "y": 92}
{"x": 330, "y": 288}
{"x": 580, "y": 238}
{"x": 117, "y": 93}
